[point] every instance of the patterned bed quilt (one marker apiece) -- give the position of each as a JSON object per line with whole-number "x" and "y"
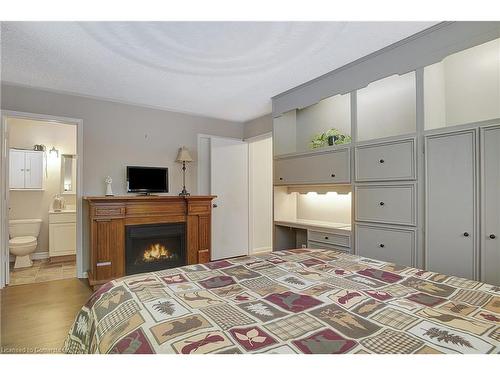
{"x": 293, "y": 301}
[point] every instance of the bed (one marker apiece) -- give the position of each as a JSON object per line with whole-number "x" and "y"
{"x": 293, "y": 301}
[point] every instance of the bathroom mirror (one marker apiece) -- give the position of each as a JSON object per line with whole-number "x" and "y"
{"x": 68, "y": 174}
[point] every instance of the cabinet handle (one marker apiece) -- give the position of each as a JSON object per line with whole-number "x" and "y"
{"x": 381, "y": 161}
{"x": 333, "y": 174}
{"x": 326, "y": 237}
{"x": 382, "y": 245}
{"x": 492, "y": 236}
{"x": 381, "y": 203}
{"x": 281, "y": 178}
{"x": 102, "y": 220}
{"x": 214, "y": 205}
{"x": 466, "y": 234}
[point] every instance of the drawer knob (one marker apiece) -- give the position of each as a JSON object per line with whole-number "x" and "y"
{"x": 381, "y": 161}
{"x": 382, "y": 245}
{"x": 466, "y": 234}
{"x": 333, "y": 174}
{"x": 326, "y": 237}
{"x": 281, "y": 178}
{"x": 492, "y": 236}
{"x": 381, "y": 203}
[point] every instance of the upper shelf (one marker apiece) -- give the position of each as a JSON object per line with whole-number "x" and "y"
{"x": 464, "y": 87}
{"x": 308, "y": 129}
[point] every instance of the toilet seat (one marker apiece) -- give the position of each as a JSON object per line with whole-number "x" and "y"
{"x": 22, "y": 241}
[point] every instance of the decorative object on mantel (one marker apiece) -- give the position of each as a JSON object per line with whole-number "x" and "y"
{"x": 184, "y": 157}
{"x": 329, "y": 138}
{"x": 109, "y": 191}
{"x": 58, "y": 203}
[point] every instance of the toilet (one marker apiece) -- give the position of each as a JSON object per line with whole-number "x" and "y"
{"x": 23, "y": 239}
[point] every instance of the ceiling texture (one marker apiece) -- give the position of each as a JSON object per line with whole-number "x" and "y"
{"x": 226, "y": 70}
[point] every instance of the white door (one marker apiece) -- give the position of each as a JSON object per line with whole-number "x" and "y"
{"x": 490, "y": 240}
{"x": 450, "y": 161}
{"x": 229, "y": 182}
{"x": 16, "y": 169}
{"x": 33, "y": 170}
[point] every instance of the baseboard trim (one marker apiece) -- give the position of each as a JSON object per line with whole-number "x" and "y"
{"x": 35, "y": 256}
{"x": 261, "y": 250}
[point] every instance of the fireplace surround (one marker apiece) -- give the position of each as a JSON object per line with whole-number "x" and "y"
{"x": 109, "y": 218}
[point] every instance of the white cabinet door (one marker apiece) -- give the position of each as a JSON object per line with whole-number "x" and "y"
{"x": 490, "y": 239}
{"x": 62, "y": 239}
{"x": 450, "y": 161}
{"x": 33, "y": 170}
{"x": 16, "y": 169}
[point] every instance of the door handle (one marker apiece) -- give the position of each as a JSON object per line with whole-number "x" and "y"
{"x": 492, "y": 236}
{"x": 214, "y": 205}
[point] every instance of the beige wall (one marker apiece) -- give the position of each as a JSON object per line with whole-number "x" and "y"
{"x": 116, "y": 135}
{"x": 261, "y": 194}
{"x": 258, "y": 126}
{"x": 35, "y": 204}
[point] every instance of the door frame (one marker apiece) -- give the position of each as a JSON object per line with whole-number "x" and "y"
{"x": 201, "y": 161}
{"x": 4, "y": 187}
{"x": 250, "y": 194}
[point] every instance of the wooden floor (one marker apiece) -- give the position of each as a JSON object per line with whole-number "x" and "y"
{"x": 37, "y": 317}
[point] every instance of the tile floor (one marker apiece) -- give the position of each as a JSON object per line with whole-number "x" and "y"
{"x": 42, "y": 271}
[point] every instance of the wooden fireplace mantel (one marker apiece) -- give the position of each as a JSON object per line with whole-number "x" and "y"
{"x": 109, "y": 216}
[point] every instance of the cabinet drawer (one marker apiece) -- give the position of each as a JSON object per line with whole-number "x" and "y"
{"x": 62, "y": 218}
{"x": 386, "y": 244}
{"x": 109, "y": 211}
{"x": 319, "y": 245}
{"x": 330, "y": 238}
{"x": 391, "y": 204}
{"x": 386, "y": 161}
{"x": 330, "y": 167}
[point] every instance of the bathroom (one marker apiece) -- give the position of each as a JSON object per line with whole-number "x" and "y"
{"x": 42, "y": 200}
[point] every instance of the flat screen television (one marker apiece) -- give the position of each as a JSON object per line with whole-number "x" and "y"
{"x": 147, "y": 180}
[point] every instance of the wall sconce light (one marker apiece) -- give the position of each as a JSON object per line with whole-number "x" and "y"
{"x": 54, "y": 151}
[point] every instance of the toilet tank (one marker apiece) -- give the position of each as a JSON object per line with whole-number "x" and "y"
{"x": 24, "y": 227}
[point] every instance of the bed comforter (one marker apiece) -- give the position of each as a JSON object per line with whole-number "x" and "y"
{"x": 293, "y": 301}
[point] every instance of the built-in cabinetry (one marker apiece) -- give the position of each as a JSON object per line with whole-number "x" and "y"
{"x": 62, "y": 234}
{"x": 329, "y": 167}
{"x": 451, "y": 203}
{"x": 25, "y": 169}
{"x": 424, "y": 155}
{"x": 385, "y": 209}
{"x": 490, "y": 204}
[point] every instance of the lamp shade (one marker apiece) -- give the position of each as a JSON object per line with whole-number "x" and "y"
{"x": 183, "y": 155}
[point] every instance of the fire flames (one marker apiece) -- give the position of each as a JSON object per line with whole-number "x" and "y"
{"x": 156, "y": 252}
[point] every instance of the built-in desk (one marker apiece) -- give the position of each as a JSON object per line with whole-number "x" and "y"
{"x": 313, "y": 234}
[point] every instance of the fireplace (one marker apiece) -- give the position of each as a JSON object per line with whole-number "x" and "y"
{"x": 154, "y": 247}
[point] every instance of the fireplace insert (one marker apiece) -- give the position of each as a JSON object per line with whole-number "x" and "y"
{"x": 154, "y": 247}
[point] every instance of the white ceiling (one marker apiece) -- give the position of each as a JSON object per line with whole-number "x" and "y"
{"x": 227, "y": 70}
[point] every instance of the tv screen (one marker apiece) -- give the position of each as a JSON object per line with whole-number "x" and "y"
{"x": 147, "y": 180}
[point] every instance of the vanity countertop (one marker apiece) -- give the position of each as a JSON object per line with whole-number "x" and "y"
{"x": 65, "y": 211}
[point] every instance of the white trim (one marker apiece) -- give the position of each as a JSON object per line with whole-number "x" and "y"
{"x": 79, "y": 188}
{"x": 261, "y": 250}
{"x": 259, "y": 137}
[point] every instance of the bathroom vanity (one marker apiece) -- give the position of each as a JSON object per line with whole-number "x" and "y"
{"x": 62, "y": 234}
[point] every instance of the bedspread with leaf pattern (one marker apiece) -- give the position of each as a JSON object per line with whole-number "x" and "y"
{"x": 293, "y": 301}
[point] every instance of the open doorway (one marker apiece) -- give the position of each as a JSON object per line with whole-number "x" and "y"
{"x": 42, "y": 177}
{"x": 260, "y": 173}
